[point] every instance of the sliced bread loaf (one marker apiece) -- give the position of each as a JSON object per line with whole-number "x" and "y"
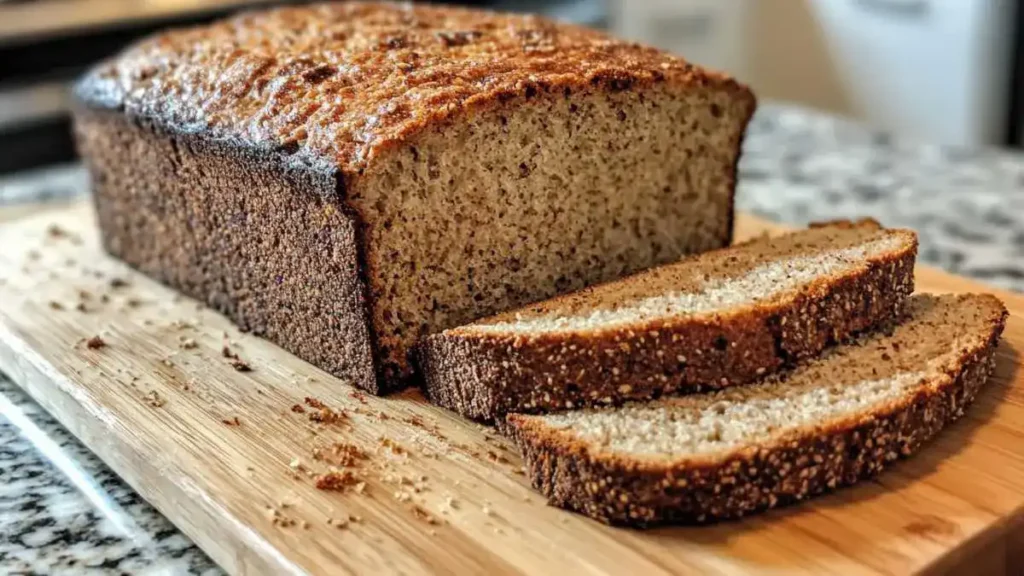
{"x": 830, "y": 422}
{"x": 345, "y": 177}
{"x": 724, "y": 317}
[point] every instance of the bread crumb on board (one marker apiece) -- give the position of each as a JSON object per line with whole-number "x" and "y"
{"x": 232, "y": 421}
{"x": 235, "y": 360}
{"x": 154, "y": 399}
{"x": 421, "y": 514}
{"x": 95, "y": 343}
{"x": 336, "y": 480}
{"x": 323, "y": 413}
{"x": 54, "y": 305}
{"x": 340, "y": 454}
{"x": 393, "y": 446}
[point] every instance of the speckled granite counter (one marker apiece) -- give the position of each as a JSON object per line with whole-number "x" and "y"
{"x": 64, "y": 512}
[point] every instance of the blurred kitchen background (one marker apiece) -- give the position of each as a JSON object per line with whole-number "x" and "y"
{"x": 945, "y": 71}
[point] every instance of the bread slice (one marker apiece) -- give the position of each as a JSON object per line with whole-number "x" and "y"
{"x": 725, "y": 317}
{"x": 829, "y": 423}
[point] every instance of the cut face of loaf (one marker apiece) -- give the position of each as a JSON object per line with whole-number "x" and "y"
{"x": 346, "y": 178}
{"x": 829, "y": 423}
{"x": 721, "y": 318}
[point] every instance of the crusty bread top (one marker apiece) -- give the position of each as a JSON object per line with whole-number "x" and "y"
{"x": 849, "y": 383}
{"x": 729, "y": 280}
{"x": 337, "y": 83}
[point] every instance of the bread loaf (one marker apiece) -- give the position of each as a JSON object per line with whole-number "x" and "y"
{"x": 722, "y": 318}
{"x": 346, "y": 178}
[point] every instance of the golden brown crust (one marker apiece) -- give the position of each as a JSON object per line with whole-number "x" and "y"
{"x": 809, "y": 461}
{"x": 336, "y": 84}
{"x": 486, "y": 375}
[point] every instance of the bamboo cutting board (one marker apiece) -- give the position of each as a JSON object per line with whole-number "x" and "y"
{"x": 231, "y": 457}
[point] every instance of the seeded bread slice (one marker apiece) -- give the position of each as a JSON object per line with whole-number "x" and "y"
{"x": 829, "y": 423}
{"x": 724, "y": 317}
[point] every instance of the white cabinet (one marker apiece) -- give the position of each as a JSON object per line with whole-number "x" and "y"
{"x": 938, "y": 69}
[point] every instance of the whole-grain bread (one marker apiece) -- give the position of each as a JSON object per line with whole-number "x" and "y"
{"x": 725, "y": 317}
{"x": 345, "y": 178}
{"x": 829, "y": 423}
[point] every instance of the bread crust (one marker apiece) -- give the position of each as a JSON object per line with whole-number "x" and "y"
{"x": 804, "y": 463}
{"x": 486, "y": 375}
{"x": 200, "y": 216}
{"x": 400, "y": 68}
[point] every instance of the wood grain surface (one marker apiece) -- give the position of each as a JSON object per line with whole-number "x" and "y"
{"x": 231, "y": 457}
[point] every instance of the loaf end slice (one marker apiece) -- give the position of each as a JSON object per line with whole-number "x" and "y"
{"x": 725, "y": 317}
{"x": 830, "y": 423}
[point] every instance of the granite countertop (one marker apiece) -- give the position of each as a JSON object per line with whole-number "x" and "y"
{"x": 62, "y": 511}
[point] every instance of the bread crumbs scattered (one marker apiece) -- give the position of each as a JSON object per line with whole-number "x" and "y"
{"x": 84, "y": 295}
{"x": 344, "y": 454}
{"x": 395, "y": 447}
{"x": 232, "y": 421}
{"x": 402, "y": 496}
{"x": 54, "y": 305}
{"x": 116, "y": 282}
{"x": 81, "y": 307}
{"x": 298, "y": 409}
{"x": 358, "y": 396}
{"x": 278, "y": 519}
{"x": 167, "y": 362}
{"x": 323, "y": 414}
{"x": 188, "y": 343}
{"x": 234, "y": 360}
{"x": 452, "y": 503}
{"x": 336, "y": 480}
{"x": 154, "y": 399}
{"x": 94, "y": 343}
{"x": 340, "y": 523}
{"x": 423, "y": 515}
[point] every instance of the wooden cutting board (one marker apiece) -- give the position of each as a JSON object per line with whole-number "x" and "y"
{"x": 227, "y": 458}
